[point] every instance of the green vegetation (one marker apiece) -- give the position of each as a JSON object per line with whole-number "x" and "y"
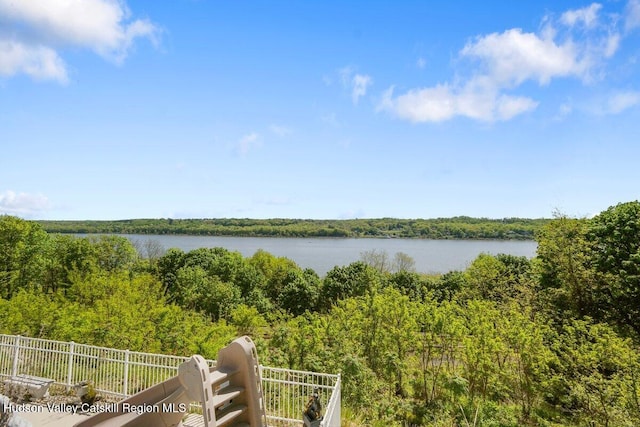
{"x": 552, "y": 341}
{"x": 441, "y": 228}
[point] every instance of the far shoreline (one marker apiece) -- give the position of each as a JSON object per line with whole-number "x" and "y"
{"x": 456, "y": 228}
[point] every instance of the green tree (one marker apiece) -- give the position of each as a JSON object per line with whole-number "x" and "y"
{"x": 220, "y": 298}
{"x": 438, "y": 344}
{"x": 488, "y": 278}
{"x": 275, "y": 271}
{"x": 196, "y": 289}
{"x": 113, "y": 253}
{"x": 297, "y": 341}
{"x": 449, "y": 286}
{"x": 592, "y": 377}
{"x": 566, "y": 282}
{"x": 370, "y": 340}
{"x": 614, "y": 237}
{"x": 167, "y": 271}
{"x": 232, "y": 267}
{"x": 29, "y": 313}
{"x": 190, "y": 287}
{"x": 300, "y": 292}
{"x": 484, "y": 352}
{"x": 247, "y": 319}
{"x": 529, "y": 357}
{"x": 399, "y": 333}
{"x": 410, "y": 284}
{"x": 23, "y": 246}
{"x": 67, "y": 257}
{"x": 112, "y": 309}
{"x": 352, "y": 280}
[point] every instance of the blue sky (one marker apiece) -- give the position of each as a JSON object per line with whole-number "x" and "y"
{"x": 262, "y": 109}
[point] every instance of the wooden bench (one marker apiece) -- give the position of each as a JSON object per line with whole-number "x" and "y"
{"x": 37, "y": 387}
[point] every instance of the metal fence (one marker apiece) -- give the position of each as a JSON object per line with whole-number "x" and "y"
{"x": 116, "y": 374}
{"x": 286, "y": 393}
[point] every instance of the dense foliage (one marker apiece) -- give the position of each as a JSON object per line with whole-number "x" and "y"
{"x": 552, "y": 341}
{"x": 440, "y": 228}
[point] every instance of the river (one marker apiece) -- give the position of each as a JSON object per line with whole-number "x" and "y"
{"x": 322, "y": 254}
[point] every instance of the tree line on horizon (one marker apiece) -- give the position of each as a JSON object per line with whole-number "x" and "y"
{"x": 509, "y": 341}
{"x": 439, "y": 228}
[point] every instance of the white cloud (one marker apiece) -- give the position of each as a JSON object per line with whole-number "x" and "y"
{"x": 360, "y": 84}
{"x": 502, "y": 62}
{"x": 442, "y": 103}
{"x": 345, "y": 75}
{"x": 513, "y": 57}
{"x": 564, "y": 110}
{"x": 422, "y": 105}
{"x": 614, "y": 102}
{"x": 611, "y": 45}
{"x": 632, "y": 15}
{"x": 508, "y": 107}
{"x": 42, "y": 27}
{"x": 38, "y": 62}
{"x": 23, "y": 204}
{"x": 588, "y": 16}
{"x": 621, "y": 101}
{"x": 421, "y": 63}
{"x": 248, "y": 143}
{"x": 356, "y": 83}
{"x": 280, "y": 130}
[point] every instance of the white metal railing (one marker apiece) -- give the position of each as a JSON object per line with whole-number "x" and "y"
{"x": 286, "y": 392}
{"x": 116, "y": 374}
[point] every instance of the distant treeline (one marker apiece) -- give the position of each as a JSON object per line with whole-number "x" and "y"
{"x": 461, "y": 227}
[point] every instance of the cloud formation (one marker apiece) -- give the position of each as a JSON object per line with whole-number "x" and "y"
{"x": 443, "y": 102}
{"x": 621, "y": 101}
{"x": 513, "y": 57}
{"x": 248, "y": 143}
{"x": 280, "y": 130}
{"x": 356, "y": 83}
{"x": 23, "y": 204}
{"x": 501, "y": 62}
{"x": 587, "y": 16}
{"x": 360, "y": 84}
{"x": 38, "y": 62}
{"x": 34, "y": 32}
{"x": 632, "y": 15}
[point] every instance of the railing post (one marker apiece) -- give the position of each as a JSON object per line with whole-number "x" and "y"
{"x": 16, "y": 354}
{"x": 125, "y": 384}
{"x": 70, "y": 365}
{"x": 338, "y": 408}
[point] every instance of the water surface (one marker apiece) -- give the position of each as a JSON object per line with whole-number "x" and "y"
{"x": 322, "y": 254}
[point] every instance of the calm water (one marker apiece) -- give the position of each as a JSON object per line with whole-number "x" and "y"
{"x": 322, "y": 254}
